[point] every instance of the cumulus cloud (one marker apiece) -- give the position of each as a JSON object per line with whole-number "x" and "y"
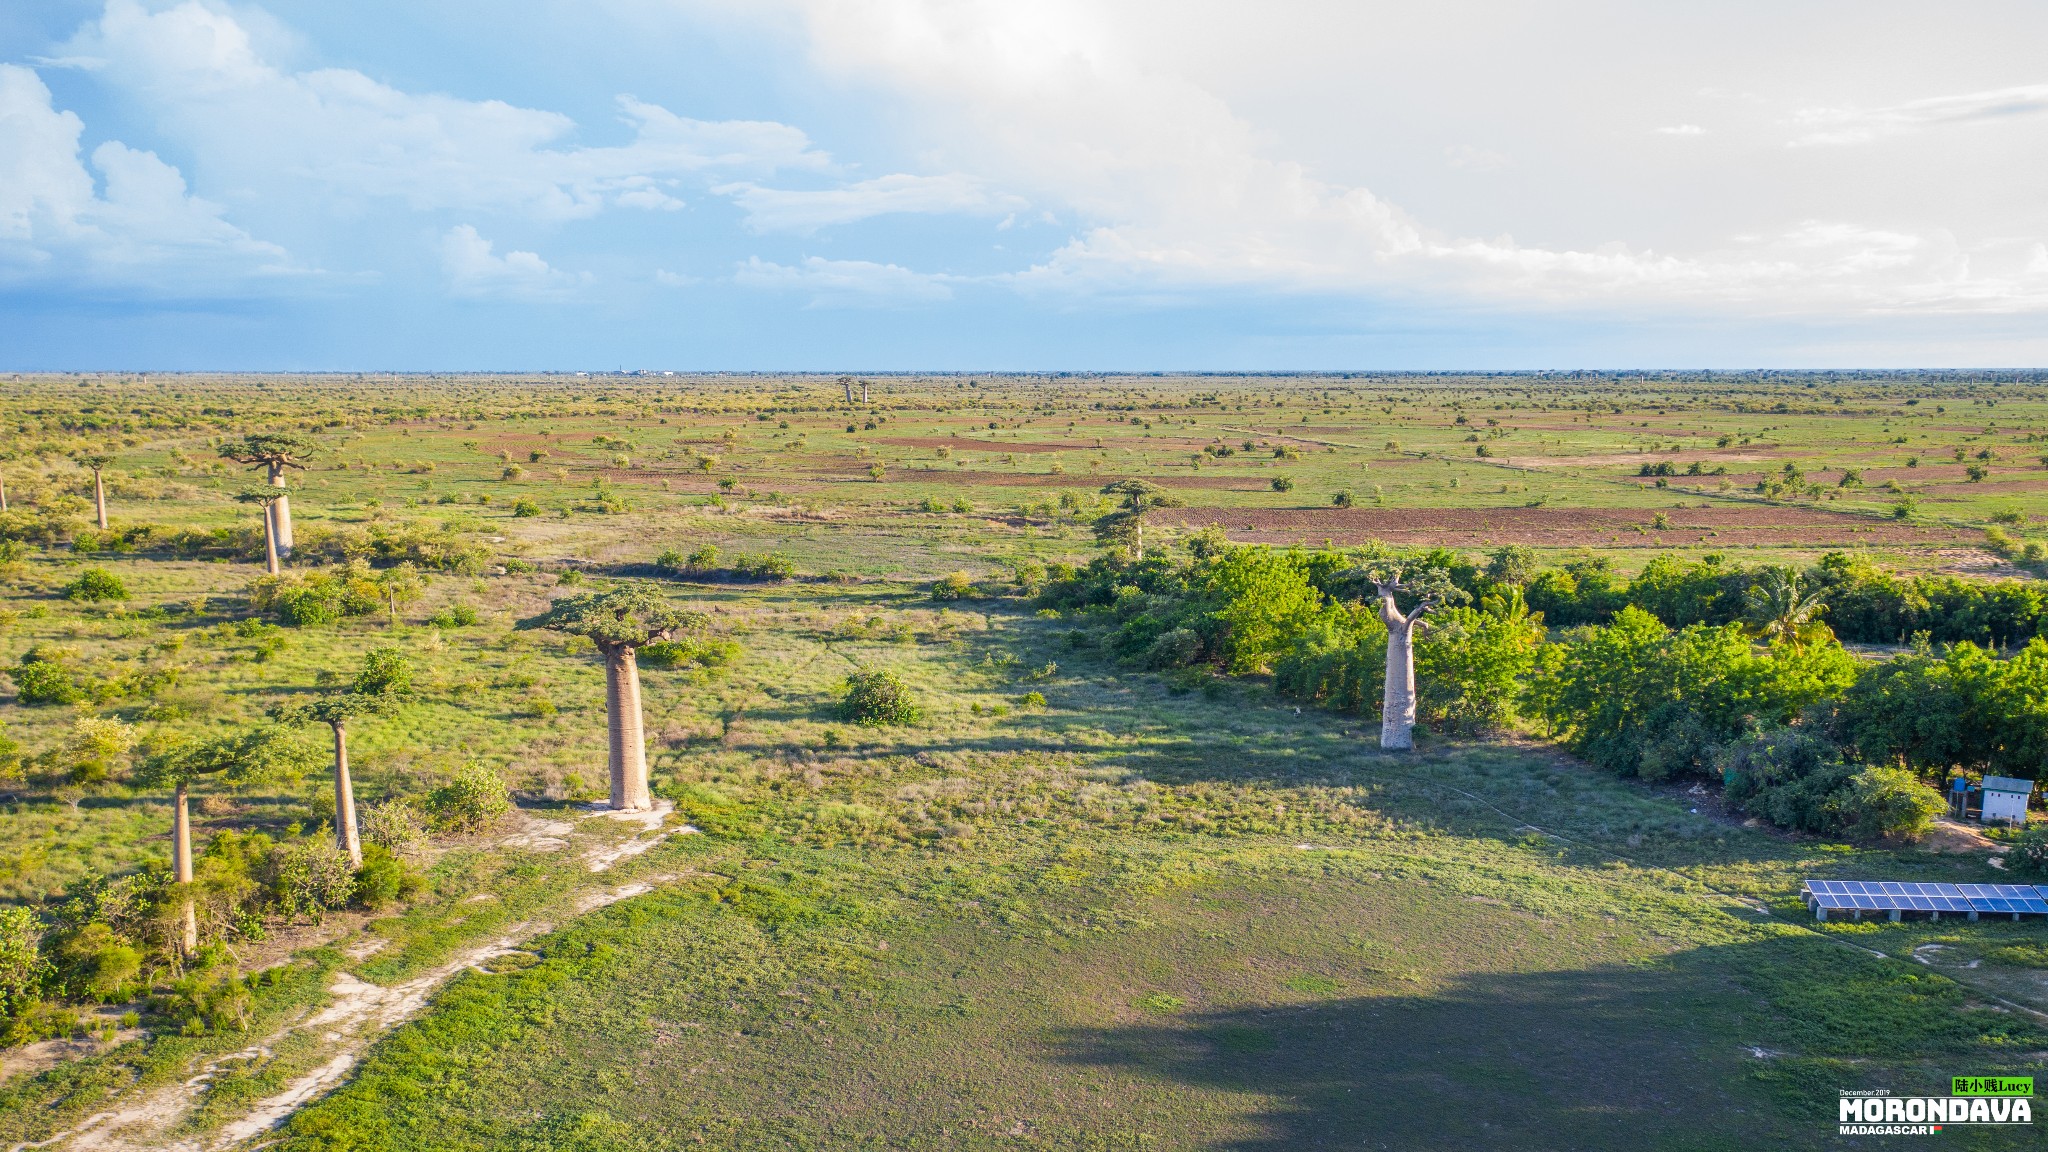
{"x": 122, "y": 229}
{"x": 474, "y": 270}
{"x": 1860, "y": 125}
{"x": 785, "y": 210}
{"x": 337, "y": 132}
{"x": 1177, "y": 190}
{"x": 846, "y": 283}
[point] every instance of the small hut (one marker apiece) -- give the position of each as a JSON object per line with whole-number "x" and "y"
{"x": 2006, "y": 799}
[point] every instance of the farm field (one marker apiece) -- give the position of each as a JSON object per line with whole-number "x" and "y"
{"x": 1082, "y": 901}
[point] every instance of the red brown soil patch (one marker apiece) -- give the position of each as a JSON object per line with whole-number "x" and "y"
{"x": 1727, "y": 525}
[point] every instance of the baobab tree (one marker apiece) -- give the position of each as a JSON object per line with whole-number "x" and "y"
{"x": 1427, "y": 588}
{"x": 248, "y": 757}
{"x": 400, "y": 584}
{"x": 1126, "y": 526}
{"x": 384, "y": 682}
{"x": 275, "y": 452}
{"x": 270, "y": 499}
{"x": 619, "y": 622}
{"x": 97, "y": 463}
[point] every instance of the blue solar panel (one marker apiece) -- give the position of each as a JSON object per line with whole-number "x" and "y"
{"x": 1908, "y": 896}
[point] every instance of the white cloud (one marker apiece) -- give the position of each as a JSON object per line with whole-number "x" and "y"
{"x": 1682, "y": 130}
{"x": 846, "y": 282}
{"x": 785, "y": 210}
{"x": 1475, "y": 159}
{"x": 1072, "y": 104}
{"x": 475, "y": 271}
{"x": 338, "y": 132}
{"x": 1859, "y": 125}
{"x": 57, "y": 222}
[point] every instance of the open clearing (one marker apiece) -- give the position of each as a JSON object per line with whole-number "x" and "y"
{"x": 1135, "y": 912}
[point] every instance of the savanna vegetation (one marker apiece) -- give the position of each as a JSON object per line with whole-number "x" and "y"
{"x": 644, "y": 762}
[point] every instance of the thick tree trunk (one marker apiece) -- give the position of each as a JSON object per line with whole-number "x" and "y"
{"x": 270, "y": 539}
{"x": 628, "y": 738}
{"x": 849, "y": 391}
{"x": 1139, "y": 552}
{"x": 3, "y": 493}
{"x": 282, "y": 513}
{"x": 345, "y": 837}
{"x": 863, "y": 391}
{"x": 99, "y": 497}
{"x": 181, "y": 870}
{"x": 1397, "y": 705}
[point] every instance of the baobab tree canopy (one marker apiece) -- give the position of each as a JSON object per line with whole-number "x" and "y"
{"x": 267, "y": 752}
{"x": 273, "y": 450}
{"x": 625, "y": 617}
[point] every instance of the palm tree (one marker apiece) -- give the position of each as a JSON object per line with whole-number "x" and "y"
{"x": 271, "y": 499}
{"x": 619, "y": 622}
{"x": 384, "y": 682}
{"x": 1126, "y": 526}
{"x": 275, "y": 452}
{"x": 97, "y": 462}
{"x": 247, "y": 757}
{"x": 1781, "y": 613}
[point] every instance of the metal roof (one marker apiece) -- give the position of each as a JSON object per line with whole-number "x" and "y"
{"x": 2008, "y": 784}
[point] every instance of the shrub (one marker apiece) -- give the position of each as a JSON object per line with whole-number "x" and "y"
{"x": 2028, "y": 853}
{"x": 953, "y": 586}
{"x": 1032, "y": 699}
{"x": 395, "y": 826}
{"x": 385, "y": 669}
{"x": 1174, "y": 648}
{"x": 454, "y": 616}
{"x": 383, "y": 880}
{"x": 309, "y": 878}
{"x": 876, "y": 697}
{"x": 40, "y": 680}
{"x": 525, "y": 507}
{"x": 95, "y": 585}
{"x": 1342, "y": 500}
{"x": 471, "y": 802}
{"x": 1889, "y": 804}
{"x": 1282, "y": 484}
{"x": 688, "y": 653}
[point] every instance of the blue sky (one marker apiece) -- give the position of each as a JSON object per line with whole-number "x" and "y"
{"x": 981, "y": 184}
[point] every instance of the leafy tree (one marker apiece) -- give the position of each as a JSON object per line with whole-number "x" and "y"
{"x": 1264, "y": 600}
{"x": 400, "y": 584}
{"x": 619, "y": 622}
{"x": 247, "y": 757}
{"x": 274, "y": 452}
{"x": 1125, "y": 526}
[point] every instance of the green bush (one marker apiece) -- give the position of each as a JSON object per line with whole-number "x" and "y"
{"x": 471, "y": 802}
{"x": 454, "y": 616}
{"x": 524, "y": 507}
{"x": 309, "y": 878}
{"x": 40, "y": 680}
{"x": 94, "y": 585}
{"x": 1889, "y": 804}
{"x": 876, "y": 697}
{"x": 2028, "y": 853}
{"x": 688, "y": 653}
{"x": 953, "y": 586}
{"x": 383, "y": 880}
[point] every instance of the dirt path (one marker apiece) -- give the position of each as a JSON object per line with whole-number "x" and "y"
{"x": 356, "y": 1015}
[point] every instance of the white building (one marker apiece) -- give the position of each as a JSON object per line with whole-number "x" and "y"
{"x": 2006, "y": 799}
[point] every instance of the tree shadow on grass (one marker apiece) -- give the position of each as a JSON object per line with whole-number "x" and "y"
{"x": 1653, "y": 1056}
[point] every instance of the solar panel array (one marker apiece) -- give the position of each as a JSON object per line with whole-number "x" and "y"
{"x": 1889, "y": 895}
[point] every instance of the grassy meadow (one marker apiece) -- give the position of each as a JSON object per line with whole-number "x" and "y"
{"x": 1079, "y": 905}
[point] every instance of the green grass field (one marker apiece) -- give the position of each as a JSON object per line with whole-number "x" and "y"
{"x": 1133, "y": 916}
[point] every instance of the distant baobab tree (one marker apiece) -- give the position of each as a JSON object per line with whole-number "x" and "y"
{"x": 97, "y": 463}
{"x": 274, "y": 452}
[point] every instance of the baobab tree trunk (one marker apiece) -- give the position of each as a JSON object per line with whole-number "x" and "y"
{"x": 1397, "y": 705}
{"x": 99, "y": 497}
{"x": 281, "y": 513}
{"x": 345, "y": 837}
{"x": 629, "y": 741}
{"x": 849, "y": 390}
{"x": 3, "y": 493}
{"x": 270, "y": 539}
{"x": 863, "y": 391}
{"x": 181, "y": 870}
